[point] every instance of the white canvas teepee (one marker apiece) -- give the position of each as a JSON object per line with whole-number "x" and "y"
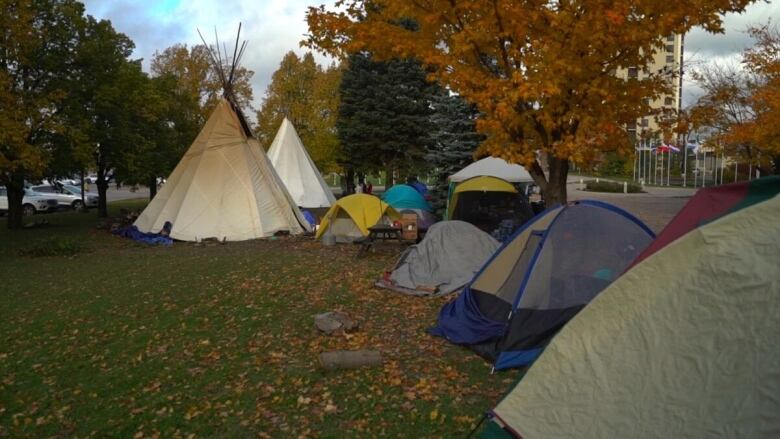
{"x": 224, "y": 187}
{"x": 297, "y": 170}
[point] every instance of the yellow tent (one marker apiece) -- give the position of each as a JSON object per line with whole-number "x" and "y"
{"x": 478, "y": 184}
{"x": 351, "y": 216}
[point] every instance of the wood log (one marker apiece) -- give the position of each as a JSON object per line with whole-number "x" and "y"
{"x": 333, "y": 360}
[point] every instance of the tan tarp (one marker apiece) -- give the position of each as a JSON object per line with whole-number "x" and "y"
{"x": 686, "y": 344}
{"x": 224, "y": 187}
{"x": 297, "y": 170}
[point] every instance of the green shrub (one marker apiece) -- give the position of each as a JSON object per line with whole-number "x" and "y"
{"x": 52, "y": 246}
{"x": 611, "y": 186}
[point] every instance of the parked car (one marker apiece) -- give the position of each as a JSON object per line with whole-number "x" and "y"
{"x": 67, "y": 195}
{"x": 32, "y": 202}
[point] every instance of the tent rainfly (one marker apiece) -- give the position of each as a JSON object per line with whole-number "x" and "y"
{"x": 540, "y": 278}
{"x": 684, "y": 344}
{"x": 493, "y": 167}
{"x": 443, "y": 262}
{"x": 224, "y": 187}
{"x": 297, "y": 170}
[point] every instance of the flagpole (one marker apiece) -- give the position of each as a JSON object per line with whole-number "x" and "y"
{"x": 685, "y": 164}
{"x": 704, "y": 168}
{"x": 722, "y": 164}
{"x": 669, "y": 167}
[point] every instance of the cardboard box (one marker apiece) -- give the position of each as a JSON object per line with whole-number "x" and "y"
{"x": 409, "y": 226}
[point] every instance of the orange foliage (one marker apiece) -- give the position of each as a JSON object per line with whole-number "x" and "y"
{"x": 541, "y": 72}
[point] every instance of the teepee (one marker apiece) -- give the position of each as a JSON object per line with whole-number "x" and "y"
{"x": 224, "y": 187}
{"x": 297, "y": 170}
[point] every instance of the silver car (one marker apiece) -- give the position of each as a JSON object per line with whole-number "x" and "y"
{"x": 32, "y": 202}
{"x": 67, "y": 195}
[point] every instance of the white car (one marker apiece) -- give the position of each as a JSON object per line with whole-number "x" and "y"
{"x": 32, "y": 202}
{"x": 67, "y": 195}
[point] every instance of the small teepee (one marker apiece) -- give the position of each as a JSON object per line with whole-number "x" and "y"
{"x": 224, "y": 187}
{"x": 297, "y": 170}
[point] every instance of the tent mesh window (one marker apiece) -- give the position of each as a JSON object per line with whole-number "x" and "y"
{"x": 586, "y": 248}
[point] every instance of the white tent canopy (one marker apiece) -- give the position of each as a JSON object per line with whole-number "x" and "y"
{"x": 297, "y": 170}
{"x": 224, "y": 187}
{"x": 493, "y": 167}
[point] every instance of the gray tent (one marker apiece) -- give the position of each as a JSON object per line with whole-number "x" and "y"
{"x": 442, "y": 263}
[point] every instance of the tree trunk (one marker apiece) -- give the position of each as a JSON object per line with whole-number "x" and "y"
{"x": 553, "y": 187}
{"x": 350, "y": 179}
{"x": 102, "y": 186}
{"x": 15, "y": 191}
{"x": 81, "y": 186}
{"x": 152, "y": 188}
{"x": 389, "y": 180}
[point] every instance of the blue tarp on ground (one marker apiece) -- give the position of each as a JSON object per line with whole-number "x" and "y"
{"x": 404, "y": 196}
{"x": 132, "y": 232}
{"x": 309, "y": 217}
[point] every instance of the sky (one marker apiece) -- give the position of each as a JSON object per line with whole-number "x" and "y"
{"x": 274, "y": 27}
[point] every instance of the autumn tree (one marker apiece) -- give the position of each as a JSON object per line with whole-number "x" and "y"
{"x": 198, "y": 79}
{"x": 384, "y": 115}
{"x": 37, "y": 39}
{"x": 763, "y": 62}
{"x": 308, "y": 96}
{"x": 542, "y": 74}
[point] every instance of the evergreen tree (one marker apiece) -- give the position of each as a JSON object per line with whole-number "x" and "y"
{"x": 455, "y": 140}
{"x": 384, "y": 116}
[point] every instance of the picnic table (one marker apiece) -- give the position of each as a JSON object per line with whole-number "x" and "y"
{"x": 376, "y": 233}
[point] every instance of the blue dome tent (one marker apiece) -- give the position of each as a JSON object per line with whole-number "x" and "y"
{"x": 403, "y": 196}
{"x": 541, "y": 278}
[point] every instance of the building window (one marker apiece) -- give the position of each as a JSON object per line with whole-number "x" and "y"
{"x": 670, "y": 38}
{"x": 668, "y": 101}
{"x": 670, "y": 48}
{"x": 645, "y": 123}
{"x": 633, "y": 72}
{"x": 669, "y": 58}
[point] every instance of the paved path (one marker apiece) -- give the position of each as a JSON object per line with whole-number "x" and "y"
{"x": 656, "y": 207}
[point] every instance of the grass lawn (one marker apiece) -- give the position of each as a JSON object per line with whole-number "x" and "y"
{"x": 131, "y": 341}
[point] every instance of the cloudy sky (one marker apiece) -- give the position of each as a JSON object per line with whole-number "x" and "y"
{"x": 274, "y": 27}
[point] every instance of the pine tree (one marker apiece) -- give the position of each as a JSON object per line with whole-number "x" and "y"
{"x": 455, "y": 140}
{"x": 384, "y": 116}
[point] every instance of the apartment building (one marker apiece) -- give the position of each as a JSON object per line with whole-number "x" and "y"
{"x": 667, "y": 59}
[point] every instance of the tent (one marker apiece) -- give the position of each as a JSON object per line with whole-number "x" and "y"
{"x": 297, "y": 170}
{"x": 493, "y": 167}
{"x": 684, "y": 344}
{"x": 403, "y": 196}
{"x": 224, "y": 187}
{"x": 486, "y": 201}
{"x": 711, "y": 203}
{"x": 442, "y": 263}
{"x": 540, "y": 278}
{"x": 349, "y": 219}
{"x": 406, "y": 199}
